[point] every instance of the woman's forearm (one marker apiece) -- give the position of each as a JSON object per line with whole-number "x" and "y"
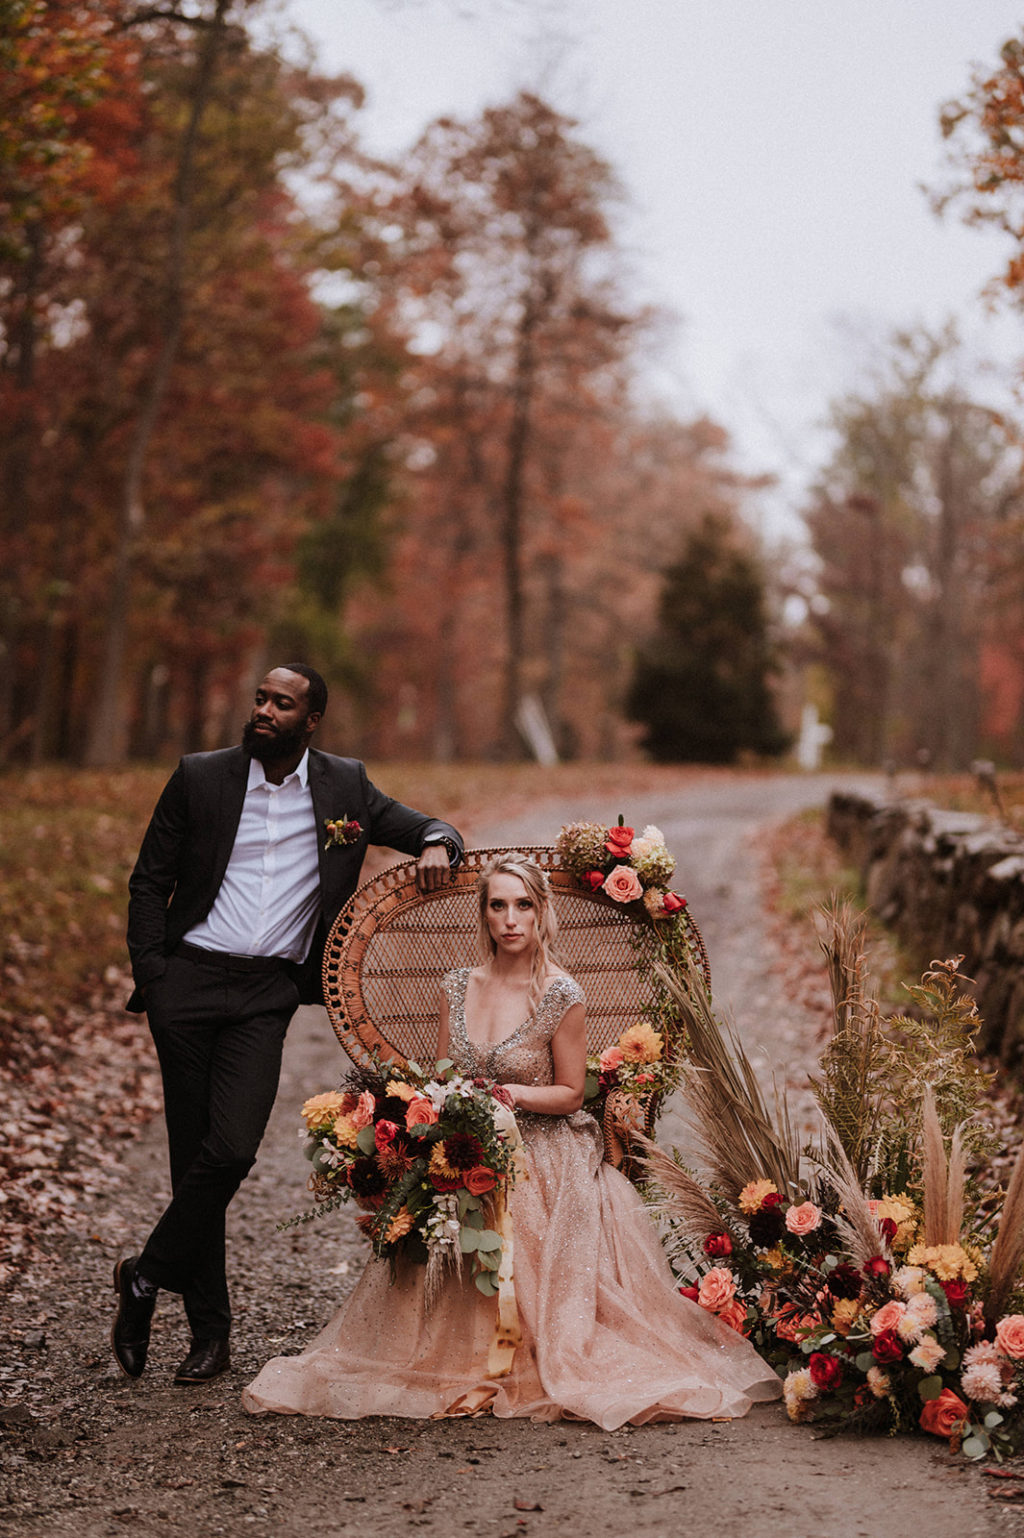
{"x": 546, "y": 1099}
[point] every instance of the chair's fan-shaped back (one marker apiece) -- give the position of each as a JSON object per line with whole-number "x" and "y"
{"x": 391, "y": 946}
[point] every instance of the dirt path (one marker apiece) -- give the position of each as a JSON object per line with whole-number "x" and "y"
{"x": 86, "y": 1454}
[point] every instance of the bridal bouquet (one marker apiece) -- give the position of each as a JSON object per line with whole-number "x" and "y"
{"x": 880, "y": 1269}
{"x": 427, "y": 1156}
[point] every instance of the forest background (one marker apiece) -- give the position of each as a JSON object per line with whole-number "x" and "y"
{"x": 264, "y": 394}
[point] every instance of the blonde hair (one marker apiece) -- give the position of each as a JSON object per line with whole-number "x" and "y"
{"x": 546, "y": 924}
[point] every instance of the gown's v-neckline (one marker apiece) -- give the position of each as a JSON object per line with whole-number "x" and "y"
{"x": 485, "y": 1049}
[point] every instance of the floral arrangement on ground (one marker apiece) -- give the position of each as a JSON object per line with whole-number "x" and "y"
{"x": 428, "y": 1157}
{"x": 880, "y": 1269}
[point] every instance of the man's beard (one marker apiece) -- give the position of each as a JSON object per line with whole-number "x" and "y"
{"x": 270, "y": 747}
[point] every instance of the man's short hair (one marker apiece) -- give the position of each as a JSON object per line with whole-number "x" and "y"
{"x": 317, "y": 687}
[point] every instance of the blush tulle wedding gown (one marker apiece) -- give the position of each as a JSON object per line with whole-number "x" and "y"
{"x": 606, "y": 1336}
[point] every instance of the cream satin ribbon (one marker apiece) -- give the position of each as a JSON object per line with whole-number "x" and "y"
{"x": 507, "y": 1334}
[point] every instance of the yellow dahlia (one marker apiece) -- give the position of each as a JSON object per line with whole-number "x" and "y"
{"x": 753, "y": 1194}
{"x": 322, "y": 1109}
{"x": 399, "y": 1226}
{"x": 641, "y": 1043}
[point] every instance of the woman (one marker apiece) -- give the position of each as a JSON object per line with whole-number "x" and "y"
{"x": 605, "y": 1335}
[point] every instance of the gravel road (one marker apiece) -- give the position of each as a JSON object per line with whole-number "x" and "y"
{"x": 86, "y": 1453}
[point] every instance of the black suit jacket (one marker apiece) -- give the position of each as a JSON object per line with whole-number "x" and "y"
{"x": 192, "y": 831}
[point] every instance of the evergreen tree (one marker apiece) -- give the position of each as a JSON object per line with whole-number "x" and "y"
{"x": 701, "y": 685}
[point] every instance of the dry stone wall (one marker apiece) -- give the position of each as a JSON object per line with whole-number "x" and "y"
{"x": 948, "y": 883}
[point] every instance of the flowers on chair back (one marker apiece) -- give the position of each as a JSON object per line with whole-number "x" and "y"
{"x": 428, "y": 1158}
{"x": 626, "y": 866}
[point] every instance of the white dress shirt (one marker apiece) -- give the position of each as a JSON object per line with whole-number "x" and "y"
{"x": 270, "y": 896}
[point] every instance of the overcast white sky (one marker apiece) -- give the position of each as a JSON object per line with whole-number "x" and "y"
{"x": 772, "y": 152}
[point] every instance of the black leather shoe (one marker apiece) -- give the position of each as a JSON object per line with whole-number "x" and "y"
{"x": 129, "y": 1335}
{"x": 205, "y": 1360}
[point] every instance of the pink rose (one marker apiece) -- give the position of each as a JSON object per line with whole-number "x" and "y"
{"x": 944, "y": 1416}
{"x": 623, "y": 885}
{"x": 611, "y": 1059}
{"x": 1010, "y": 1336}
{"x": 717, "y": 1289}
{"x": 803, "y": 1219}
{"x": 887, "y": 1317}
{"x": 420, "y": 1113}
{"x": 362, "y": 1115}
{"x": 384, "y": 1133}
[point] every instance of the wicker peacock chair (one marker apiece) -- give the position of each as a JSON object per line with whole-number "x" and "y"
{"x": 391, "y": 945}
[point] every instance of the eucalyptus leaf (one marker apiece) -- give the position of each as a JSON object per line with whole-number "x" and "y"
{"x": 488, "y": 1240}
{"x": 468, "y": 1203}
{"x": 974, "y": 1446}
{"x": 864, "y": 1362}
{"x": 469, "y": 1241}
{"x": 366, "y": 1140}
{"x": 490, "y": 1259}
{"x": 930, "y": 1388}
{"x": 992, "y": 1420}
{"x": 591, "y": 1085}
{"x": 951, "y": 1360}
{"x": 486, "y": 1284}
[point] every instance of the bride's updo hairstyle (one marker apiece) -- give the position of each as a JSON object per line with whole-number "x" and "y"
{"x": 536, "y": 883}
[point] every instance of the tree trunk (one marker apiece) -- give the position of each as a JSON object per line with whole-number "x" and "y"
{"x": 108, "y": 730}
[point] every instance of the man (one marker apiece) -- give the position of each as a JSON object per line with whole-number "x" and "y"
{"x": 237, "y": 884}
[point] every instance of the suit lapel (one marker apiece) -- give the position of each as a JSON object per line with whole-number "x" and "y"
{"x": 328, "y": 793}
{"x": 232, "y": 798}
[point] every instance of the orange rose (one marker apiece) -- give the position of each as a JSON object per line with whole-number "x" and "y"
{"x": 1010, "y": 1336}
{"x": 734, "y": 1314}
{"x": 620, "y": 842}
{"x": 945, "y": 1416}
{"x": 479, "y": 1180}
{"x": 420, "y": 1113}
{"x": 717, "y": 1289}
{"x": 623, "y": 885}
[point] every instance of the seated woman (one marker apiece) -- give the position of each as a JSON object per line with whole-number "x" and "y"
{"x": 606, "y": 1337}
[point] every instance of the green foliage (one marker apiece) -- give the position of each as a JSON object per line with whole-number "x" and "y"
{"x": 701, "y": 686}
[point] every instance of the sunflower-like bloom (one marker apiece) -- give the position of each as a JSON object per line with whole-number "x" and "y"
{"x": 641, "y": 1043}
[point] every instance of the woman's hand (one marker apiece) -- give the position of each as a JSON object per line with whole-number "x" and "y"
{"x": 503, "y": 1092}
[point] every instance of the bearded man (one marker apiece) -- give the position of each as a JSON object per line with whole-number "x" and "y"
{"x": 249, "y": 857}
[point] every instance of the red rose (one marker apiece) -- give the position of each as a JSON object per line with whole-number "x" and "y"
{"x": 887, "y": 1347}
{"x": 689, "y": 1292}
{"x": 889, "y": 1228}
{"x": 444, "y": 1182}
{"x": 717, "y": 1245}
{"x": 620, "y": 842}
{"x": 773, "y": 1199}
{"x": 672, "y": 902}
{"x": 944, "y": 1416}
{"x": 593, "y": 879}
{"x": 479, "y": 1180}
{"x": 384, "y": 1133}
{"x": 826, "y": 1371}
{"x": 957, "y": 1292}
{"x": 877, "y": 1266}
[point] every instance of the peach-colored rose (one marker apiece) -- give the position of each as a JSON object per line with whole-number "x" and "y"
{"x": 734, "y": 1314}
{"x": 620, "y": 842}
{"x": 803, "y": 1219}
{"x": 944, "y": 1416}
{"x": 623, "y": 885}
{"x": 1010, "y": 1336}
{"x": 717, "y": 1289}
{"x": 611, "y": 1058}
{"x": 365, "y": 1106}
{"x": 479, "y": 1180}
{"x": 795, "y": 1327}
{"x": 887, "y": 1317}
{"x": 420, "y": 1113}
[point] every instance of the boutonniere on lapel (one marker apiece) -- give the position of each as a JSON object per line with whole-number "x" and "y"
{"x": 341, "y": 831}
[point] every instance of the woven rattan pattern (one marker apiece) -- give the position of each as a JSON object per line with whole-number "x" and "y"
{"x": 391, "y": 946}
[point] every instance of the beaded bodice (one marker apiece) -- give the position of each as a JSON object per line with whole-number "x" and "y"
{"x": 524, "y": 1057}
